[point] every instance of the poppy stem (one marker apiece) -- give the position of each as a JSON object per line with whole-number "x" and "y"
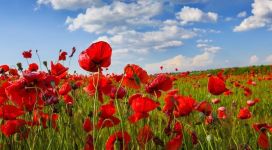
{"x": 40, "y": 63}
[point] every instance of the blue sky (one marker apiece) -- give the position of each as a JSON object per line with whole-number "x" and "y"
{"x": 184, "y": 34}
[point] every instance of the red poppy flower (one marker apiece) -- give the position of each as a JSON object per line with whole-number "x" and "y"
{"x": 11, "y": 127}
{"x": 261, "y": 127}
{"x": 251, "y": 103}
{"x": 145, "y": 135}
{"x": 62, "y": 55}
{"x": 209, "y": 119}
{"x": 141, "y": 106}
{"x": 65, "y": 88}
{"x": 9, "y": 112}
{"x": 216, "y": 85}
{"x": 177, "y": 104}
{"x": 122, "y": 137}
{"x": 185, "y": 106}
{"x": 103, "y": 87}
{"x": 4, "y": 68}
{"x": 160, "y": 83}
{"x": 247, "y": 91}
{"x": 13, "y": 72}
{"x": 27, "y": 54}
{"x": 117, "y": 94}
{"x": 204, "y": 107}
{"x": 87, "y": 125}
{"x": 106, "y": 118}
{"x": 54, "y": 119}
{"x": 89, "y": 143}
{"x": 244, "y": 113}
{"x": 221, "y": 113}
{"x": 33, "y": 67}
{"x": 251, "y": 82}
{"x": 263, "y": 141}
{"x": 58, "y": 70}
{"x": 68, "y": 99}
{"x": 216, "y": 100}
{"x": 17, "y": 93}
{"x": 178, "y": 128}
{"x": 96, "y": 56}
{"x": 134, "y": 76}
{"x": 175, "y": 143}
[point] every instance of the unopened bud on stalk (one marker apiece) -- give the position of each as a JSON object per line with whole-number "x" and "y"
{"x": 19, "y": 65}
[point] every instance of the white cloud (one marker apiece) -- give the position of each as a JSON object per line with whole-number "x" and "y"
{"x": 253, "y": 59}
{"x": 181, "y": 62}
{"x": 187, "y": 1}
{"x": 69, "y": 4}
{"x": 184, "y": 63}
{"x": 206, "y": 47}
{"x": 262, "y": 16}
{"x": 242, "y": 14}
{"x": 116, "y": 16}
{"x": 142, "y": 42}
{"x": 269, "y": 59}
{"x": 169, "y": 44}
{"x": 188, "y": 14}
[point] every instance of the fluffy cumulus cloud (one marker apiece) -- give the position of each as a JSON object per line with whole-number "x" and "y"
{"x": 187, "y": 1}
{"x": 168, "y": 36}
{"x": 253, "y": 59}
{"x": 188, "y": 14}
{"x": 116, "y": 17}
{"x": 199, "y": 61}
{"x": 70, "y": 4}
{"x": 242, "y": 14}
{"x": 261, "y": 16}
{"x": 135, "y": 30}
{"x": 181, "y": 62}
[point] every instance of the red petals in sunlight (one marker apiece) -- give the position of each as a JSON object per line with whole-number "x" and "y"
{"x": 95, "y": 57}
{"x": 106, "y": 118}
{"x": 62, "y": 55}
{"x": 27, "y": 54}
{"x": 175, "y": 143}
{"x": 263, "y": 141}
{"x": 4, "y": 68}
{"x": 221, "y": 113}
{"x": 11, "y": 127}
{"x": 87, "y": 125}
{"x": 58, "y": 70}
{"x": 9, "y": 112}
{"x": 185, "y": 106}
{"x": 99, "y": 83}
{"x": 123, "y": 139}
{"x": 33, "y": 67}
{"x": 244, "y": 113}
{"x": 204, "y": 107}
{"x": 160, "y": 83}
{"x": 141, "y": 106}
{"x": 134, "y": 76}
{"x": 216, "y": 85}
{"x": 65, "y": 88}
{"x": 177, "y": 104}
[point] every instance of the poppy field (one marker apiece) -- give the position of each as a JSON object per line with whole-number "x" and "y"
{"x": 53, "y": 109}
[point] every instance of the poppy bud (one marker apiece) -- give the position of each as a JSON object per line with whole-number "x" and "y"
{"x": 19, "y": 65}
